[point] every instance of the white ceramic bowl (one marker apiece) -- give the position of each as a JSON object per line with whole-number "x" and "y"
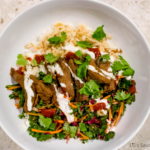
{"x": 31, "y": 23}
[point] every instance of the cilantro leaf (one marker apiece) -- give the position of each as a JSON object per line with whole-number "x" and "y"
{"x": 73, "y": 131}
{"x": 122, "y": 95}
{"x": 34, "y": 62}
{"x": 88, "y": 58}
{"x": 78, "y": 62}
{"x": 45, "y": 122}
{"x": 90, "y": 88}
{"x": 99, "y": 33}
{"x": 78, "y": 53}
{"x": 21, "y": 60}
{"x": 82, "y": 70}
{"x": 82, "y": 127}
{"x": 48, "y": 79}
{"x": 58, "y": 39}
{"x": 50, "y": 58}
{"x": 84, "y": 44}
{"x": 123, "y": 65}
{"x": 105, "y": 57}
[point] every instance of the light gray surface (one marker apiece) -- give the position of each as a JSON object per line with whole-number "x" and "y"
{"x": 137, "y": 10}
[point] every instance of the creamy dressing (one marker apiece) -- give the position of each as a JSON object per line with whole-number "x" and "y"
{"x": 63, "y": 85}
{"x": 72, "y": 48}
{"x": 103, "y": 73}
{"x": 73, "y": 74}
{"x": 129, "y": 77}
{"x": 108, "y": 74}
{"x": 42, "y": 69}
{"x": 55, "y": 68}
{"x": 89, "y": 53}
{"x": 64, "y": 105}
{"x": 32, "y": 54}
{"x": 28, "y": 83}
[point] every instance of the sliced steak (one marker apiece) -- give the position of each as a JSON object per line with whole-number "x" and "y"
{"x": 96, "y": 74}
{"x": 44, "y": 92}
{"x": 79, "y": 85}
{"x": 104, "y": 66}
{"x": 66, "y": 79}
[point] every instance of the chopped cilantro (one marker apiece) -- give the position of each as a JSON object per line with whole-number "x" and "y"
{"x": 121, "y": 95}
{"x": 21, "y": 115}
{"x": 78, "y": 53}
{"x": 82, "y": 127}
{"x": 58, "y": 39}
{"x": 99, "y": 33}
{"x": 45, "y": 122}
{"x": 50, "y": 58}
{"x": 105, "y": 57}
{"x": 123, "y": 65}
{"x": 21, "y": 60}
{"x": 48, "y": 79}
{"x": 78, "y": 62}
{"x": 84, "y": 44}
{"x": 82, "y": 70}
{"x": 34, "y": 62}
{"x": 41, "y": 75}
{"x": 88, "y": 58}
{"x": 90, "y": 88}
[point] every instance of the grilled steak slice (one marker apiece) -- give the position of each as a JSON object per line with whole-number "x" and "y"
{"x": 66, "y": 79}
{"x": 96, "y": 74}
{"x": 79, "y": 85}
{"x": 44, "y": 92}
{"x": 104, "y": 66}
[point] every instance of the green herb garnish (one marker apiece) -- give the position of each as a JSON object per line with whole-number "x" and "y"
{"x": 21, "y": 60}
{"x": 48, "y": 79}
{"x": 84, "y": 44}
{"x": 121, "y": 95}
{"x": 50, "y": 58}
{"x": 90, "y": 88}
{"x": 45, "y": 122}
{"x": 82, "y": 70}
{"x": 99, "y": 33}
{"x": 105, "y": 57}
{"x": 58, "y": 39}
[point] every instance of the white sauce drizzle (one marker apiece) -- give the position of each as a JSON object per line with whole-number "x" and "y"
{"x": 74, "y": 76}
{"x": 55, "y": 68}
{"x": 64, "y": 105}
{"x": 72, "y": 48}
{"x": 28, "y": 83}
{"x": 63, "y": 85}
{"x": 103, "y": 73}
{"x": 42, "y": 68}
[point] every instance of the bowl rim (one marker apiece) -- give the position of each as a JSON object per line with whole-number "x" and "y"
{"x": 99, "y": 2}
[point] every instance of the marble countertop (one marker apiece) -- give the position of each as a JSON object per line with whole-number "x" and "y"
{"x": 136, "y": 10}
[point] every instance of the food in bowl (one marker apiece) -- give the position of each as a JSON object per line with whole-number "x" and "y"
{"x": 72, "y": 83}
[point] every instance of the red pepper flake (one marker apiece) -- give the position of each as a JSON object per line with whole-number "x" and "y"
{"x": 99, "y": 106}
{"x": 39, "y": 58}
{"x": 70, "y": 55}
{"x": 92, "y": 101}
{"x": 48, "y": 112}
{"x": 96, "y": 51}
{"x": 29, "y": 58}
{"x": 20, "y": 70}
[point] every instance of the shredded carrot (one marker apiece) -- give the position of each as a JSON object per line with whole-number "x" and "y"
{"x": 83, "y": 118}
{"x": 110, "y": 114}
{"x": 91, "y": 107}
{"x": 13, "y": 87}
{"x": 33, "y": 114}
{"x": 17, "y": 105}
{"x": 59, "y": 121}
{"x": 119, "y": 114}
{"x": 72, "y": 105}
{"x": 47, "y": 132}
{"x": 84, "y": 137}
{"x": 106, "y": 97}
